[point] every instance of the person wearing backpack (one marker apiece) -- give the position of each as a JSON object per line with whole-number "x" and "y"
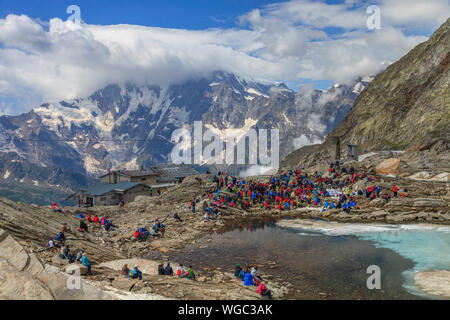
{"x": 61, "y": 238}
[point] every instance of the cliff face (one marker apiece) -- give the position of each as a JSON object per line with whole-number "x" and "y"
{"x": 406, "y": 107}
{"x": 407, "y": 104}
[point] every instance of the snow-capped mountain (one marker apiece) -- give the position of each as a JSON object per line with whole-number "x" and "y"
{"x": 124, "y": 125}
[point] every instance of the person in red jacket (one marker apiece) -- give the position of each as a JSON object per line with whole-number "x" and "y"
{"x": 96, "y": 219}
{"x": 263, "y": 291}
{"x": 395, "y": 189}
{"x": 138, "y": 235}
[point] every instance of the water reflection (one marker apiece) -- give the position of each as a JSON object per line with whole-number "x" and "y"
{"x": 316, "y": 265}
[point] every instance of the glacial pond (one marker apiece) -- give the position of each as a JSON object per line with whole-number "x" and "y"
{"x": 326, "y": 259}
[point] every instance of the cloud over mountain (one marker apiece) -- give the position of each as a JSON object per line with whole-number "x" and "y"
{"x": 289, "y": 41}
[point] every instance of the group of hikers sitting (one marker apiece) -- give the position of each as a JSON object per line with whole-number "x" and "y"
{"x": 251, "y": 277}
{"x": 104, "y": 221}
{"x": 157, "y": 230}
{"x": 181, "y": 271}
{"x": 65, "y": 252}
{"x": 134, "y": 273}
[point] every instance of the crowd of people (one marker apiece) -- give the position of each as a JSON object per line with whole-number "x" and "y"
{"x": 336, "y": 189}
{"x": 65, "y": 251}
{"x": 60, "y": 239}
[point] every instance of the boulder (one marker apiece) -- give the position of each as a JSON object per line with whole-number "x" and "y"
{"x": 69, "y": 268}
{"x": 441, "y": 177}
{"x": 58, "y": 261}
{"x": 388, "y": 166}
{"x": 436, "y": 282}
{"x": 422, "y": 175}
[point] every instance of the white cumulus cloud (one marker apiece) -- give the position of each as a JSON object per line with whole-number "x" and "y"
{"x": 288, "y": 41}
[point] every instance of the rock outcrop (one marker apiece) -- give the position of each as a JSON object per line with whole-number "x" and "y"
{"x": 405, "y": 108}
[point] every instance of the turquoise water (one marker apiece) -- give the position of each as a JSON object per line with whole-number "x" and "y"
{"x": 428, "y": 246}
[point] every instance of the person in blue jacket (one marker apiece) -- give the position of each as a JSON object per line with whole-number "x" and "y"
{"x": 241, "y": 274}
{"x": 248, "y": 278}
{"x": 85, "y": 262}
{"x": 135, "y": 273}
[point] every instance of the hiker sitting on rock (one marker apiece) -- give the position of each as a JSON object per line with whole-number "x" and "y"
{"x": 263, "y": 291}
{"x": 85, "y": 262}
{"x": 56, "y": 208}
{"x": 83, "y": 226}
{"x": 108, "y": 225}
{"x": 125, "y": 270}
{"x": 159, "y": 227}
{"x": 136, "y": 273}
{"x": 68, "y": 254}
{"x": 138, "y": 235}
{"x": 190, "y": 273}
{"x": 177, "y": 217}
{"x": 168, "y": 271}
{"x": 242, "y": 274}
{"x": 51, "y": 244}
{"x": 237, "y": 270}
{"x": 79, "y": 255}
{"x": 180, "y": 271}
{"x": 257, "y": 279}
{"x": 161, "y": 270}
{"x": 248, "y": 278}
{"x": 146, "y": 233}
{"x": 61, "y": 238}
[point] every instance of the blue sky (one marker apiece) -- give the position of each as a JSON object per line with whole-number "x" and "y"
{"x": 43, "y": 58}
{"x": 180, "y": 14}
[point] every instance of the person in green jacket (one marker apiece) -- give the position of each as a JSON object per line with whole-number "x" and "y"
{"x": 190, "y": 273}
